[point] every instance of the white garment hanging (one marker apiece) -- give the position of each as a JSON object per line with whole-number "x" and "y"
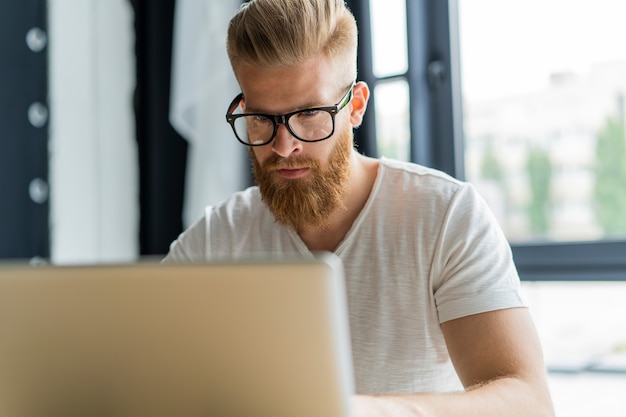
{"x": 202, "y": 87}
{"x": 94, "y": 189}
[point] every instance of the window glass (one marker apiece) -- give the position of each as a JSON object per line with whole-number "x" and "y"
{"x": 582, "y": 326}
{"x": 389, "y": 43}
{"x": 544, "y": 87}
{"x": 391, "y": 99}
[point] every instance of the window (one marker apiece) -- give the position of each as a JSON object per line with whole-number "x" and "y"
{"x": 555, "y": 81}
{"x": 526, "y": 100}
{"x": 528, "y": 106}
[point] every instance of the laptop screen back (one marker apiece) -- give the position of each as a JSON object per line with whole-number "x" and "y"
{"x": 228, "y": 339}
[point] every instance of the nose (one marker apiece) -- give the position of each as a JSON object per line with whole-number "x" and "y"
{"x": 285, "y": 144}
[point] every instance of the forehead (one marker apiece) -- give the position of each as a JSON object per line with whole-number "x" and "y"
{"x": 283, "y": 89}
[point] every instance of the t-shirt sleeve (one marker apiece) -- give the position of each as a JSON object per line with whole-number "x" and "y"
{"x": 473, "y": 265}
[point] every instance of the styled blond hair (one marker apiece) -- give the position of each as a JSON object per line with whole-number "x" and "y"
{"x": 274, "y": 33}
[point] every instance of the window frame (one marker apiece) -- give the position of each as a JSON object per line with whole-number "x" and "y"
{"x": 436, "y": 129}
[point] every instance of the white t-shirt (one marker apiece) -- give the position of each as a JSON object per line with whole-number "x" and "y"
{"x": 424, "y": 250}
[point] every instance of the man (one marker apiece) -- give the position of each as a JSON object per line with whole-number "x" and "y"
{"x": 438, "y": 326}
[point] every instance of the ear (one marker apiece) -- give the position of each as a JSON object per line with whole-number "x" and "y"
{"x": 360, "y": 97}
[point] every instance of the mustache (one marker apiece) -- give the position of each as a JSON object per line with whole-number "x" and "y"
{"x": 275, "y": 162}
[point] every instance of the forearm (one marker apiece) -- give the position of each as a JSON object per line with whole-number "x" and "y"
{"x": 509, "y": 397}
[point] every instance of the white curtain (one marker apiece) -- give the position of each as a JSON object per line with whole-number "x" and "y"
{"x": 202, "y": 87}
{"x": 94, "y": 201}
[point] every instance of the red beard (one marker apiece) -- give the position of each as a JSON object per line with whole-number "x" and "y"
{"x": 308, "y": 201}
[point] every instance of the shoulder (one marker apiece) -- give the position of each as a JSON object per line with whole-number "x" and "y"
{"x": 415, "y": 171}
{"x": 240, "y": 213}
{"x": 413, "y": 197}
{"x": 221, "y": 224}
{"x": 242, "y": 202}
{"x": 408, "y": 173}
{"x": 425, "y": 186}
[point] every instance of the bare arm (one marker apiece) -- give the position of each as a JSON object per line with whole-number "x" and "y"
{"x": 498, "y": 358}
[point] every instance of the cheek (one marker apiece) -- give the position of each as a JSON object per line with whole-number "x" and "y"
{"x": 341, "y": 138}
{"x": 258, "y": 153}
{"x": 323, "y": 151}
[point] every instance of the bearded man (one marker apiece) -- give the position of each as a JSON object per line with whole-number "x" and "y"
{"x": 437, "y": 323}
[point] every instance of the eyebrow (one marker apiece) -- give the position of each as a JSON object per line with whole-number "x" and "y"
{"x": 309, "y": 105}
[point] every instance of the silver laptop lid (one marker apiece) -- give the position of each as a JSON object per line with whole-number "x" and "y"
{"x": 229, "y": 339}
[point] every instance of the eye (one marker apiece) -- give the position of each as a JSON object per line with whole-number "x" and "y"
{"x": 309, "y": 113}
{"x": 310, "y": 116}
{"x": 259, "y": 120}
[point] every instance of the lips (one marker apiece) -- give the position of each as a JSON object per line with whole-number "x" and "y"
{"x": 292, "y": 173}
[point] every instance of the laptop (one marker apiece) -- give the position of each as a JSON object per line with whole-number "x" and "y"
{"x": 248, "y": 338}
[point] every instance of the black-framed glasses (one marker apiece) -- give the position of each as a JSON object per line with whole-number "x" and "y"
{"x": 308, "y": 125}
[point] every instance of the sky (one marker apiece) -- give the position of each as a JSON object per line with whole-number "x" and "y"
{"x": 512, "y": 46}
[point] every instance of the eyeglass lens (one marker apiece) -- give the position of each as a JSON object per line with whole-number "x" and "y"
{"x": 308, "y": 125}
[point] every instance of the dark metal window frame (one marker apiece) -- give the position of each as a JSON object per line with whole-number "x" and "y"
{"x": 436, "y": 129}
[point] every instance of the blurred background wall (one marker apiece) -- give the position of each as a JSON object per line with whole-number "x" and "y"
{"x": 112, "y": 137}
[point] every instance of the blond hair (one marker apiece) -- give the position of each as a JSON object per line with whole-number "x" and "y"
{"x": 274, "y": 33}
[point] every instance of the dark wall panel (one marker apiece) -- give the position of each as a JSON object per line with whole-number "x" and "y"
{"x": 162, "y": 151}
{"x": 23, "y": 130}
